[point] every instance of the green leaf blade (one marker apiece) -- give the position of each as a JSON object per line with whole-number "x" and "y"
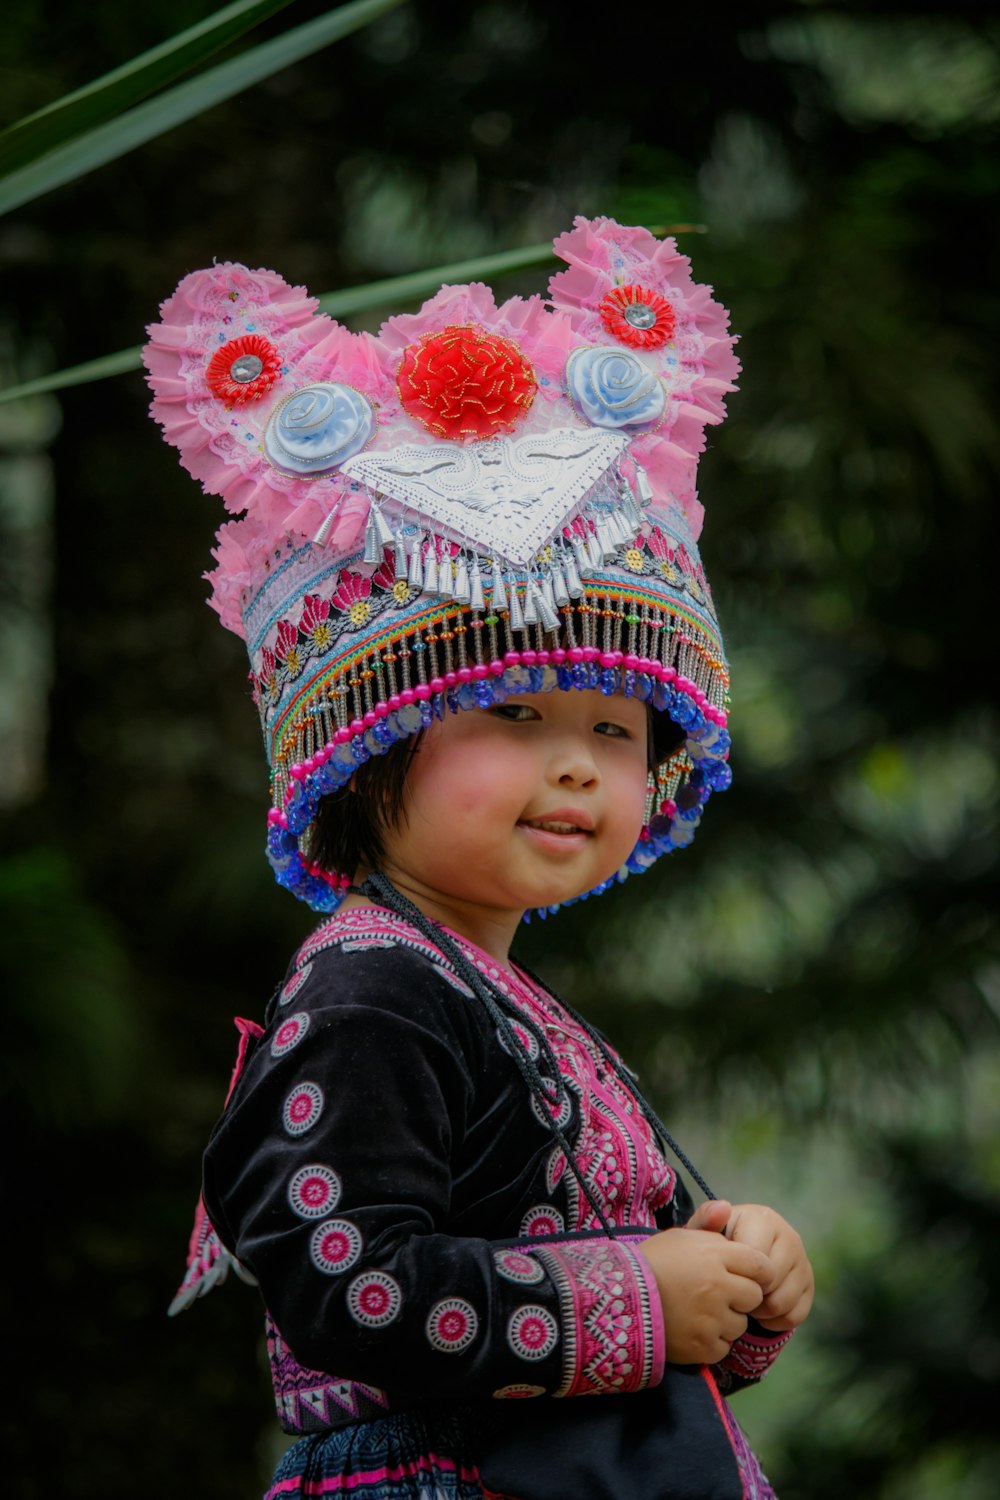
{"x": 146, "y": 121}
{"x": 26, "y": 140}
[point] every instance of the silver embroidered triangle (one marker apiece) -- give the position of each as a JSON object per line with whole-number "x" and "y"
{"x": 505, "y": 496}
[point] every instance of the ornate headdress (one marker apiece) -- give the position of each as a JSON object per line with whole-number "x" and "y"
{"x": 476, "y": 502}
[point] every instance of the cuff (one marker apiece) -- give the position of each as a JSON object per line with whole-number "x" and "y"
{"x": 752, "y": 1356}
{"x": 612, "y": 1323}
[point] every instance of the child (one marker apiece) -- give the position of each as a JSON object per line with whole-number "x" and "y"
{"x": 491, "y": 681}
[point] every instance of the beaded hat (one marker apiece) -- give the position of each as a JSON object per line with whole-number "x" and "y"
{"x": 476, "y": 502}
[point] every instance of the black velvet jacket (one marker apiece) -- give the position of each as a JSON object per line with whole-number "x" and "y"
{"x": 418, "y": 1238}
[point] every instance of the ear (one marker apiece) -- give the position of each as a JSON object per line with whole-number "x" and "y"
{"x": 228, "y": 364}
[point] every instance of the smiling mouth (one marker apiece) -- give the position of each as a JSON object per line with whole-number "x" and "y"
{"x": 551, "y": 825}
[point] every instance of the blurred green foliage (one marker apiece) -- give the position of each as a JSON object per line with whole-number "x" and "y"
{"x": 812, "y": 989}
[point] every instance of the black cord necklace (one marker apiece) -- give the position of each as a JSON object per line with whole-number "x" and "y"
{"x": 545, "y": 1091}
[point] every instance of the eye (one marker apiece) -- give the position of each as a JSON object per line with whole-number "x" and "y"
{"x": 514, "y": 713}
{"x": 613, "y": 731}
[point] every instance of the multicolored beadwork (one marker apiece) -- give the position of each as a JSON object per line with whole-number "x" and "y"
{"x": 476, "y": 502}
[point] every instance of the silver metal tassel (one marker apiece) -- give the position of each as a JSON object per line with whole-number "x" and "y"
{"x": 498, "y": 592}
{"x": 560, "y": 593}
{"x": 530, "y": 604}
{"x": 446, "y": 580}
{"x": 516, "y": 615}
{"x": 642, "y": 485}
{"x": 546, "y": 608}
{"x": 463, "y": 592}
{"x": 431, "y": 570}
{"x": 608, "y": 541}
{"x": 382, "y": 527}
{"x": 416, "y": 579}
{"x": 574, "y": 583}
{"x": 595, "y": 553}
{"x": 373, "y": 547}
{"x": 401, "y": 558}
{"x": 582, "y": 556}
{"x": 324, "y": 530}
{"x": 476, "y": 600}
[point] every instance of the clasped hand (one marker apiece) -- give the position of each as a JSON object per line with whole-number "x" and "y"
{"x": 727, "y": 1262}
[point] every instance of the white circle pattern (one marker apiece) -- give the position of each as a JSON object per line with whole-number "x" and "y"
{"x": 303, "y": 1108}
{"x": 513, "y": 1265}
{"x": 290, "y": 1033}
{"x": 335, "y": 1246}
{"x": 314, "y": 1191}
{"x": 532, "y": 1332}
{"x": 374, "y": 1299}
{"x": 452, "y": 1324}
{"x": 543, "y": 1219}
{"x": 295, "y": 984}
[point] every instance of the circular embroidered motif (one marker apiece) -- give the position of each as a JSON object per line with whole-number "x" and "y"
{"x": 303, "y": 1108}
{"x": 289, "y": 1034}
{"x": 374, "y": 1299}
{"x": 555, "y": 1169}
{"x": 512, "y": 1392}
{"x": 513, "y": 1265}
{"x": 529, "y": 1043}
{"x": 532, "y": 1332}
{"x": 314, "y": 1191}
{"x": 561, "y": 1112}
{"x": 295, "y": 984}
{"x": 335, "y": 1246}
{"x": 542, "y": 1219}
{"x": 452, "y": 1325}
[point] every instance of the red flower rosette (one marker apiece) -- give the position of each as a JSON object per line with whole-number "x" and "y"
{"x": 638, "y": 317}
{"x": 465, "y": 382}
{"x": 243, "y": 370}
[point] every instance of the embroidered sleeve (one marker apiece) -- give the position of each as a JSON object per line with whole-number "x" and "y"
{"x": 750, "y": 1358}
{"x": 332, "y": 1175}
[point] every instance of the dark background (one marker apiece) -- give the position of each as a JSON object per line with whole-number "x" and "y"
{"x": 812, "y": 991}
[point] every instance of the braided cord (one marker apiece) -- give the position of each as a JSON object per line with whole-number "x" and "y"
{"x": 379, "y": 887}
{"x": 628, "y": 1081}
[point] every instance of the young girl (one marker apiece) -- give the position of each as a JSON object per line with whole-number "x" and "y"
{"x": 491, "y": 682}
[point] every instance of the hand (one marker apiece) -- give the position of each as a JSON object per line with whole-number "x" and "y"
{"x": 788, "y": 1296}
{"x": 708, "y": 1284}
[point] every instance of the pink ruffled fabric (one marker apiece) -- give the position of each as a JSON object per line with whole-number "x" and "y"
{"x": 600, "y": 255}
{"x": 221, "y": 446}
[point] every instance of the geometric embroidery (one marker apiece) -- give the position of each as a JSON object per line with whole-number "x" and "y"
{"x": 290, "y": 1033}
{"x": 294, "y": 985}
{"x": 532, "y": 1332}
{"x": 335, "y": 1246}
{"x": 314, "y": 1191}
{"x": 604, "y": 1301}
{"x": 512, "y": 1392}
{"x": 452, "y": 1325}
{"x": 513, "y": 1265}
{"x": 308, "y": 1400}
{"x": 542, "y": 1220}
{"x": 302, "y": 1108}
{"x": 374, "y": 1299}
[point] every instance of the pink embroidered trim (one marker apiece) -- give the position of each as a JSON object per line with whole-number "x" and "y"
{"x": 427, "y": 1463}
{"x": 753, "y": 1355}
{"x": 307, "y": 1399}
{"x": 752, "y": 1477}
{"x": 610, "y": 1314}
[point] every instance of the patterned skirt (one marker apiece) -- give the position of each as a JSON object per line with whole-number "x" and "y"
{"x": 407, "y": 1457}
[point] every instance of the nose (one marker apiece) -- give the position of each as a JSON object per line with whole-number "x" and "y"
{"x": 573, "y": 764}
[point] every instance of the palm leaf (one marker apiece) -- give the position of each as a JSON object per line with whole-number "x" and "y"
{"x": 62, "y": 120}
{"x": 137, "y": 126}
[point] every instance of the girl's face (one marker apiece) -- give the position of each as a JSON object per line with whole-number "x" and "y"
{"x": 526, "y": 804}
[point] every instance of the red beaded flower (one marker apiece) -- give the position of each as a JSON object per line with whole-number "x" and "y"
{"x": 465, "y": 382}
{"x": 638, "y": 317}
{"x": 243, "y": 370}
